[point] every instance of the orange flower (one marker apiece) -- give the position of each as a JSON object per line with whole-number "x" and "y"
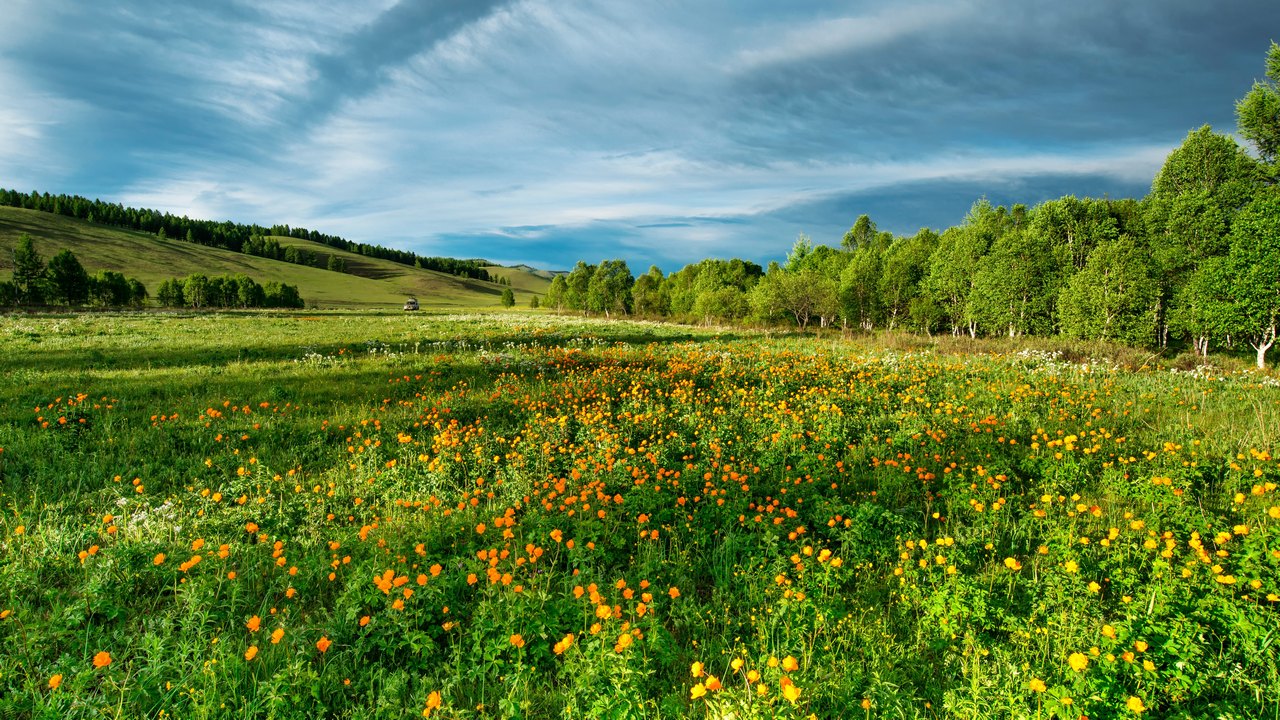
{"x": 565, "y": 643}
{"x": 102, "y": 659}
{"x": 433, "y": 703}
{"x": 277, "y": 635}
{"x": 789, "y": 690}
{"x": 364, "y": 621}
{"x": 517, "y": 640}
{"x": 251, "y": 653}
{"x": 158, "y": 559}
{"x": 674, "y": 592}
{"x": 254, "y": 623}
{"x": 789, "y": 664}
{"x": 480, "y": 528}
{"x": 323, "y": 644}
{"x": 713, "y": 683}
{"x": 55, "y": 681}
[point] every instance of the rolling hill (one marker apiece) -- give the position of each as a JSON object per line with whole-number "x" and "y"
{"x": 368, "y": 282}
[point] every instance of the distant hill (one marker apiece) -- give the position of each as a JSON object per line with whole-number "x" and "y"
{"x": 368, "y": 283}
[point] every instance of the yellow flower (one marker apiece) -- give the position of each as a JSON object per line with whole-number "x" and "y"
{"x": 1135, "y": 704}
{"x": 696, "y": 669}
{"x": 789, "y": 664}
{"x": 1078, "y": 661}
{"x": 698, "y": 691}
{"x": 1012, "y": 564}
{"x": 789, "y": 690}
{"x": 1037, "y": 685}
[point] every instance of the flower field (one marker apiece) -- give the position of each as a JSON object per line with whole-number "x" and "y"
{"x": 523, "y": 516}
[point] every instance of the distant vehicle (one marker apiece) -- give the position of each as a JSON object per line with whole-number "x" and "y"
{"x": 411, "y": 304}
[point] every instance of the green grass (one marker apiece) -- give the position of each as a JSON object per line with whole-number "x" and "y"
{"x": 829, "y": 527}
{"x": 371, "y": 284}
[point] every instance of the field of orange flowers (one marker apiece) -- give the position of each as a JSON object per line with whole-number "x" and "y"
{"x": 526, "y": 516}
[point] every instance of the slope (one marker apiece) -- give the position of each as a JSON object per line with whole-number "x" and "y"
{"x": 371, "y": 284}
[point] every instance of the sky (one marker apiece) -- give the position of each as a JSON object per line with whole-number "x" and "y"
{"x": 661, "y": 132}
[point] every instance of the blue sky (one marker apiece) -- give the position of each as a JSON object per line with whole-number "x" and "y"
{"x": 545, "y": 131}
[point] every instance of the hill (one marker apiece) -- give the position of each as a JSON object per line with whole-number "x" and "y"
{"x": 368, "y": 282}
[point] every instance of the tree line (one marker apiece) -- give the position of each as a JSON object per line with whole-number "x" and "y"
{"x": 223, "y": 234}
{"x": 1195, "y": 263}
{"x": 226, "y": 291}
{"x": 63, "y": 280}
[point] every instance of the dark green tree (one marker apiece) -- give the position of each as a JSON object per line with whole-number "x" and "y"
{"x": 28, "y": 270}
{"x": 68, "y": 279}
{"x": 508, "y": 298}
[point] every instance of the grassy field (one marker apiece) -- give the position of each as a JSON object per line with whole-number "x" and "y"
{"x": 370, "y": 283}
{"x": 521, "y": 515}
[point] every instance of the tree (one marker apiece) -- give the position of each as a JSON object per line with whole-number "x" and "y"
{"x": 1113, "y": 297}
{"x": 609, "y": 290}
{"x": 68, "y": 278}
{"x": 337, "y": 264}
{"x": 1258, "y": 113}
{"x": 169, "y": 294}
{"x": 859, "y": 296}
{"x": 577, "y": 283}
{"x": 137, "y": 293}
{"x": 860, "y": 235}
{"x": 952, "y": 268}
{"x": 195, "y": 290}
{"x": 28, "y": 270}
{"x": 904, "y": 266}
{"x": 649, "y": 294}
{"x": 533, "y": 302}
{"x": 1016, "y": 286}
{"x": 508, "y": 298}
{"x": 1254, "y": 265}
{"x": 557, "y": 292}
{"x": 110, "y": 289}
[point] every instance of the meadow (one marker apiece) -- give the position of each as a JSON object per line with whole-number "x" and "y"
{"x": 522, "y": 515}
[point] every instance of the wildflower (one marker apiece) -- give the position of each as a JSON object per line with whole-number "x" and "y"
{"x": 433, "y": 703}
{"x": 1037, "y": 685}
{"x": 789, "y": 664}
{"x": 698, "y": 691}
{"x": 565, "y": 643}
{"x": 713, "y": 683}
{"x": 55, "y": 681}
{"x": 364, "y": 621}
{"x": 323, "y": 644}
{"x": 1135, "y": 704}
{"x": 277, "y": 635}
{"x": 251, "y": 653}
{"x": 674, "y": 592}
{"x": 1078, "y": 661}
{"x": 789, "y": 690}
{"x": 696, "y": 669}
{"x": 517, "y": 640}
{"x": 102, "y": 659}
{"x": 254, "y": 623}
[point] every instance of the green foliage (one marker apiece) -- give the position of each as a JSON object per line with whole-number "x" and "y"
{"x": 1254, "y": 266}
{"x": 609, "y": 290}
{"x": 68, "y": 279}
{"x": 1113, "y": 297}
{"x": 1258, "y": 112}
{"x": 28, "y": 271}
{"x": 508, "y": 298}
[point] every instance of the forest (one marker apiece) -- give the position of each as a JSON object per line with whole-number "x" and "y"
{"x": 1195, "y": 264}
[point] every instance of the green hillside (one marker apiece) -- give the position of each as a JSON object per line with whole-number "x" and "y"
{"x": 369, "y": 282}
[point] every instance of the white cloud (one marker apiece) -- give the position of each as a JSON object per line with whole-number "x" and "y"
{"x": 847, "y": 34}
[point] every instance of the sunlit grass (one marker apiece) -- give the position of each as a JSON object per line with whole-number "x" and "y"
{"x": 361, "y": 515}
